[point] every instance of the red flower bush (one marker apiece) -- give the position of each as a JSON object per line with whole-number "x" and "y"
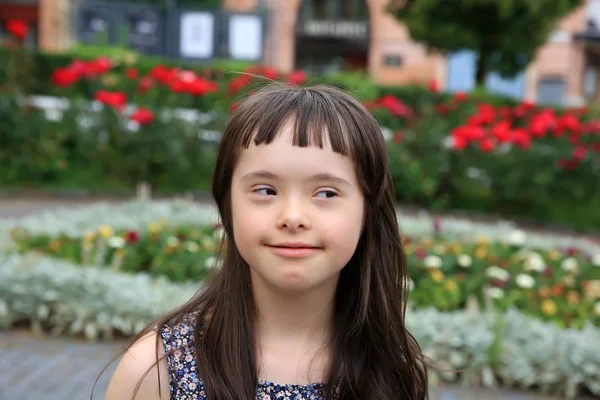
{"x": 132, "y": 74}
{"x": 18, "y": 29}
{"x": 64, "y": 77}
{"x": 143, "y": 116}
{"x": 116, "y": 100}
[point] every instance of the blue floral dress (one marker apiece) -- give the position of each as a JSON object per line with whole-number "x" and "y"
{"x": 185, "y": 384}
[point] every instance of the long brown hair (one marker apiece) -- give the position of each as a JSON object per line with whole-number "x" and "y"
{"x": 374, "y": 355}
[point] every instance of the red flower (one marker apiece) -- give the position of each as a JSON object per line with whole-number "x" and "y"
{"x": 521, "y": 138}
{"x": 132, "y": 237}
{"x": 433, "y": 86}
{"x": 233, "y": 106}
{"x": 395, "y": 106}
{"x": 17, "y": 28}
{"x": 64, "y": 77}
{"x": 163, "y": 75}
{"x": 198, "y": 87}
{"x": 297, "y": 77}
{"x": 178, "y": 86}
{"x": 501, "y": 132}
{"x": 270, "y": 73}
{"x": 116, "y": 100}
{"x": 541, "y": 123}
{"x": 132, "y": 73}
{"x": 486, "y": 145}
{"x": 102, "y": 65}
{"x": 460, "y": 96}
{"x": 568, "y": 122}
{"x": 398, "y": 137}
{"x": 459, "y": 142}
{"x": 93, "y": 68}
{"x": 442, "y": 109}
{"x": 239, "y": 83}
{"x": 596, "y": 147}
{"x": 145, "y": 84}
{"x": 579, "y": 153}
{"x": 486, "y": 114}
{"x": 143, "y": 116}
{"x": 567, "y": 164}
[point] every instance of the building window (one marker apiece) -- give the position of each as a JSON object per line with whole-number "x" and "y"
{"x": 392, "y": 60}
{"x": 551, "y": 91}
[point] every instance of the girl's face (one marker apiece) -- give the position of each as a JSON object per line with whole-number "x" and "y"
{"x": 297, "y": 213}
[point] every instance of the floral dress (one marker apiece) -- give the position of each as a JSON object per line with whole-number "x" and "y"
{"x": 185, "y": 384}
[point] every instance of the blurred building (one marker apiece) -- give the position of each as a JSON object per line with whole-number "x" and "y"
{"x": 324, "y": 36}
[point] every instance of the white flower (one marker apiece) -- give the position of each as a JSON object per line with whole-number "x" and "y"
{"x": 596, "y": 260}
{"x": 534, "y": 262}
{"x": 495, "y": 292}
{"x": 133, "y": 126}
{"x": 192, "y": 247}
{"x": 53, "y": 114}
{"x": 116, "y": 242}
{"x": 569, "y": 264}
{"x": 172, "y": 241}
{"x": 517, "y": 237}
{"x": 497, "y": 273}
{"x": 597, "y": 308}
{"x": 433, "y": 262}
{"x": 525, "y": 281}
{"x": 465, "y": 260}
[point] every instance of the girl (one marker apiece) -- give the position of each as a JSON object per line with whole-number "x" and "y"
{"x": 309, "y": 302}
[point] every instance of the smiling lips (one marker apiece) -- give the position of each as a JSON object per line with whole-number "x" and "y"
{"x": 294, "y": 249}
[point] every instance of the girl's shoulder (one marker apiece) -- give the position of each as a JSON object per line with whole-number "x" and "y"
{"x": 138, "y": 375}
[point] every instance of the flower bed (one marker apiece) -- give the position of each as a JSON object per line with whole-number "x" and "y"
{"x": 488, "y": 349}
{"x": 559, "y": 284}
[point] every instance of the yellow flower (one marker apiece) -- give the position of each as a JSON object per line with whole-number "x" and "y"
{"x": 569, "y": 280}
{"x": 592, "y": 289}
{"x": 208, "y": 244}
{"x": 89, "y": 237}
{"x": 195, "y": 234}
{"x": 105, "y": 231}
{"x": 437, "y": 275}
{"x": 481, "y": 252}
{"x": 155, "y": 227}
{"x": 549, "y": 307}
{"x": 554, "y": 255}
{"x": 427, "y": 242}
{"x": 440, "y": 249}
{"x": 54, "y": 245}
{"x": 483, "y": 240}
{"x": 455, "y": 248}
{"x": 451, "y": 286}
{"x": 573, "y": 297}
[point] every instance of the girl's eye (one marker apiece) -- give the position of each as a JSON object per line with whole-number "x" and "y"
{"x": 265, "y": 191}
{"x": 326, "y": 194}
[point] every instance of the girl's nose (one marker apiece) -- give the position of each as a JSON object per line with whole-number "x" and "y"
{"x": 293, "y": 216}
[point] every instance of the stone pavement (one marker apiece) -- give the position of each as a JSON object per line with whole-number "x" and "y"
{"x": 45, "y": 368}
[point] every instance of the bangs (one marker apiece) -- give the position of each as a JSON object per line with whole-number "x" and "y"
{"x": 317, "y": 117}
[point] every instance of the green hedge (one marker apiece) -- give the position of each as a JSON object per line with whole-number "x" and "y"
{"x": 86, "y": 149}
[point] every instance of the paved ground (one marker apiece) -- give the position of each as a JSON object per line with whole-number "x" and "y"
{"x": 47, "y": 368}
{"x": 33, "y": 367}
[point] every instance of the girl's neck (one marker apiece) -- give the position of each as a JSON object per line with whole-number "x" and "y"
{"x": 302, "y": 317}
